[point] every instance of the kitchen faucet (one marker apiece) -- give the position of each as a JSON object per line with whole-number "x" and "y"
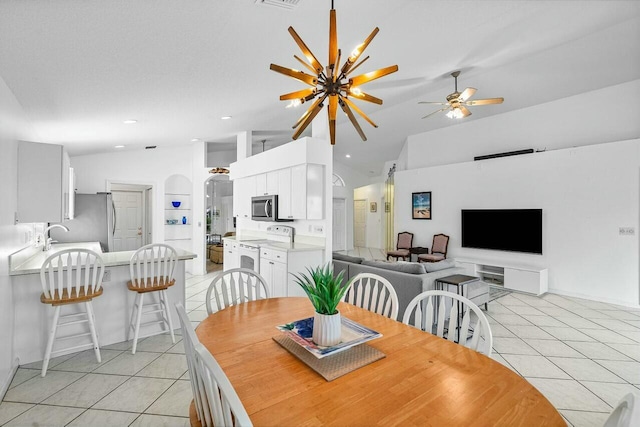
{"x": 47, "y": 240}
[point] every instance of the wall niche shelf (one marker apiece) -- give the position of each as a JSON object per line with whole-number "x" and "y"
{"x": 178, "y": 189}
{"x": 533, "y": 280}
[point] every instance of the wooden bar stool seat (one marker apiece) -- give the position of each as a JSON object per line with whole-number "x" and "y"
{"x": 157, "y": 284}
{"x": 76, "y": 296}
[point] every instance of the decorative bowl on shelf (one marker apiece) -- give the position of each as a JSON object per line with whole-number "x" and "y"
{"x": 172, "y": 221}
{"x": 176, "y": 204}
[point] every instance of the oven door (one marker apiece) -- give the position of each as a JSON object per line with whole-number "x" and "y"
{"x": 249, "y": 257}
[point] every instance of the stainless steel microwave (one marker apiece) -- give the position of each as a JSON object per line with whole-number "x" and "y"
{"x": 265, "y": 208}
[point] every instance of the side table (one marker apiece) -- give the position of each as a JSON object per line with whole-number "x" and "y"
{"x": 418, "y": 250}
{"x": 459, "y": 281}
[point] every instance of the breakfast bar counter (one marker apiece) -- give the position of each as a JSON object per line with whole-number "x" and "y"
{"x": 112, "y": 309}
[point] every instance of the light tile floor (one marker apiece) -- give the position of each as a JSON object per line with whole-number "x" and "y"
{"x": 582, "y": 355}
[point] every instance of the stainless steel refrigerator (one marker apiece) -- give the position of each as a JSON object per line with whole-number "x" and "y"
{"x": 94, "y": 221}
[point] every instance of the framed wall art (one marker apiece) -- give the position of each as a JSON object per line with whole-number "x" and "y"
{"x": 421, "y": 205}
{"x": 373, "y": 207}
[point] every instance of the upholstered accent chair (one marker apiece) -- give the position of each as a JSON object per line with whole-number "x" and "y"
{"x": 405, "y": 240}
{"x": 438, "y": 249}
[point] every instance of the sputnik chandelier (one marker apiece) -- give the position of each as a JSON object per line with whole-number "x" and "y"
{"x": 332, "y": 82}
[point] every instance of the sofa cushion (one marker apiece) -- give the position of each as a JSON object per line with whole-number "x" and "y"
{"x": 347, "y": 258}
{"x": 430, "y": 267}
{"x": 402, "y": 267}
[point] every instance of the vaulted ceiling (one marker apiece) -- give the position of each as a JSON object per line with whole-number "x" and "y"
{"x": 80, "y": 68}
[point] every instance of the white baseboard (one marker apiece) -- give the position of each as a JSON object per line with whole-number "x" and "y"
{"x": 7, "y": 381}
{"x": 592, "y": 298}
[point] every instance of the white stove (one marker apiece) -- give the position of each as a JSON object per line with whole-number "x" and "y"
{"x": 249, "y": 250}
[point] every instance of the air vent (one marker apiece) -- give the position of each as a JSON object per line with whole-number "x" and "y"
{"x": 283, "y": 4}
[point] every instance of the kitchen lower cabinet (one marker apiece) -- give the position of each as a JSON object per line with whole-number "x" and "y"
{"x": 231, "y": 256}
{"x": 278, "y": 266}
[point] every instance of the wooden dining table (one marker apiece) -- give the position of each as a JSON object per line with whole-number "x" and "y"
{"x": 423, "y": 380}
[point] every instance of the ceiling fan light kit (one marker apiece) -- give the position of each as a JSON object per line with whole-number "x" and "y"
{"x": 332, "y": 83}
{"x": 457, "y": 102}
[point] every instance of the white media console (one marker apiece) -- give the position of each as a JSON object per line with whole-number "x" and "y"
{"x": 528, "y": 279}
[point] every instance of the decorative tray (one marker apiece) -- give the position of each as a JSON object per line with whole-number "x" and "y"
{"x": 300, "y": 331}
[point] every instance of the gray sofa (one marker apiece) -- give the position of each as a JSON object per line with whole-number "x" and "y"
{"x": 408, "y": 278}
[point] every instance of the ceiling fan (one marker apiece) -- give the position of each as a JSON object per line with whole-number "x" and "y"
{"x": 457, "y": 102}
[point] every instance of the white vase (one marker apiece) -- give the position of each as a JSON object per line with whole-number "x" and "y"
{"x": 327, "y": 329}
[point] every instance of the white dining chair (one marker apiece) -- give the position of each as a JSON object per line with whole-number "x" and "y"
{"x": 431, "y": 311}
{"x": 235, "y": 286}
{"x": 151, "y": 268}
{"x": 373, "y": 293}
{"x": 626, "y": 413}
{"x": 222, "y": 402}
{"x": 71, "y": 276}
{"x": 190, "y": 339}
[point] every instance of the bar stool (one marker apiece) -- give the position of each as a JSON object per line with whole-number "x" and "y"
{"x": 71, "y": 276}
{"x": 151, "y": 268}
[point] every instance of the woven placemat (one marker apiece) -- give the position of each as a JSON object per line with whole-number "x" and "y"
{"x": 336, "y": 365}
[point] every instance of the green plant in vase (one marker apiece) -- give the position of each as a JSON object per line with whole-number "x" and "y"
{"x": 325, "y": 293}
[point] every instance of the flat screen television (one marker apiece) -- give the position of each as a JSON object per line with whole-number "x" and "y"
{"x": 517, "y": 230}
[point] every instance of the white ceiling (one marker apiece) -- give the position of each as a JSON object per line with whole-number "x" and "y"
{"x": 79, "y": 68}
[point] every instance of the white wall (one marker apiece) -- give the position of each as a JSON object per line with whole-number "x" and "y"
{"x": 14, "y": 126}
{"x": 373, "y": 193}
{"x": 151, "y": 167}
{"x": 586, "y": 194}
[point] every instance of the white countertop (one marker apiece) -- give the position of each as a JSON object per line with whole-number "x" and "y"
{"x": 111, "y": 259}
{"x": 273, "y": 244}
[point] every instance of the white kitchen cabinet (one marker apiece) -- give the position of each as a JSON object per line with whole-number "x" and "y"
{"x": 284, "y": 193}
{"x": 261, "y": 184}
{"x": 43, "y": 183}
{"x": 267, "y": 184}
{"x": 243, "y": 190}
{"x": 277, "y": 267}
{"x": 273, "y": 268}
{"x": 307, "y": 191}
{"x": 231, "y": 258}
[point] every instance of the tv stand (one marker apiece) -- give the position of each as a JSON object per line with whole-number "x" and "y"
{"x": 533, "y": 280}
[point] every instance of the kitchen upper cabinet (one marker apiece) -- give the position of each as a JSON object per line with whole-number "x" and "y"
{"x": 284, "y": 193}
{"x": 307, "y": 186}
{"x": 243, "y": 190}
{"x": 45, "y": 187}
{"x": 267, "y": 183}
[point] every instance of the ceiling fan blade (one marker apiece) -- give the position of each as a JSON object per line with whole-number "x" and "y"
{"x": 433, "y": 102}
{"x": 372, "y": 75}
{"x": 359, "y": 111}
{"x": 485, "y": 101}
{"x": 312, "y": 112}
{"x": 358, "y": 51}
{"x": 305, "y": 50}
{"x": 300, "y": 94}
{"x": 353, "y": 119}
{"x": 333, "y": 39}
{"x": 436, "y": 112}
{"x": 465, "y": 111}
{"x": 467, "y": 93}
{"x": 298, "y": 75}
{"x": 366, "y": 97}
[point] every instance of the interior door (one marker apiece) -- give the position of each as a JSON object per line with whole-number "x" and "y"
{"x": 129, "y": 227}
{"x": 339, "y": 229}
{"x": 360, "y": 223}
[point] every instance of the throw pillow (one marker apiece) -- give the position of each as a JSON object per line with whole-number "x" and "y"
{"x": 347, "y": 258}
{"x": 430, "y": 267}
{"x": 402, "y": 267}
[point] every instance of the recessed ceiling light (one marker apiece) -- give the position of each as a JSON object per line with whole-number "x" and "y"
{"x": 195, "y": 140}
{"x": 225, "y": 117}
{"x": 119, "y": 146}
{"x": 348, "y": 156}
{"x": 130, "y": 122}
